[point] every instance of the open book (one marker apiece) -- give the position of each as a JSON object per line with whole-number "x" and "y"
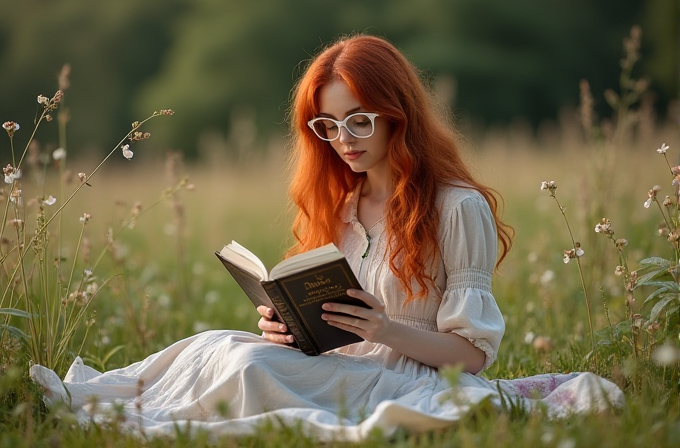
{"x": 295, "y": 289}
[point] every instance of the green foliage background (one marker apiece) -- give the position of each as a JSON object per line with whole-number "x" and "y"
{"x": 228, "y": 66}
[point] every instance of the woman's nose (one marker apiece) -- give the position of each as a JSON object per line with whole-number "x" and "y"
{"x": 345, "y": 136}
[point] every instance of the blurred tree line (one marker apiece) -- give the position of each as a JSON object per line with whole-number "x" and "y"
{"x": 227, "y": 67}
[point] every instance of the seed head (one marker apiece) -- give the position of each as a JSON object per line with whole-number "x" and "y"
{"x": 137, "y": 136}
{"x": 11, "y": 174}
{"x": 570, "y": 254}
{"x": 15, "y": 196}
{"x": 85, "y": 218}
{"x": 604, "y": 227}
{"x": 621, "y": 243}
{"x": 11, "y": 127}
{"x": 548, "y": 185}
{"x": 54, "y": 102}
{"x": 651, "y": 195}
{"x": 577, "y": 248}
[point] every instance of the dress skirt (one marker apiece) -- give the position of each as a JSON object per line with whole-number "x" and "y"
{"x": 233, "y": 382}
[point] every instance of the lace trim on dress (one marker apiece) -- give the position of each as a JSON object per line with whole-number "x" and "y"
{"x": 484, "y": 346}
{"x": 469, "y": 278}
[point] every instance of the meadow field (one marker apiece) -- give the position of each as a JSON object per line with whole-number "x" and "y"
{"x": 138, "y": 273}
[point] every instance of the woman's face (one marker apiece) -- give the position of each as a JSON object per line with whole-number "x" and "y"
{"x": 336, "y": 101}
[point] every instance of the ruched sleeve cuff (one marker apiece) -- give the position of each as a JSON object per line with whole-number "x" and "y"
{"x": 468, "y": 243}
{"x": 473, "y": 314}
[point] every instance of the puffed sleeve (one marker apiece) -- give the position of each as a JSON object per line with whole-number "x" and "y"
{"x": 468, "y": 245}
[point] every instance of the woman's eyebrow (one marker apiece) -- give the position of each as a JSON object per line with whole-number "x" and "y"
{"x": 349, "y": 112}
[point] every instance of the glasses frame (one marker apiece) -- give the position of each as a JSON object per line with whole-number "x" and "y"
{"x": 340, "y": 124}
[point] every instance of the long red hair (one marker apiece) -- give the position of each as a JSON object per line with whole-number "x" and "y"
{"x": 422, "y": 154}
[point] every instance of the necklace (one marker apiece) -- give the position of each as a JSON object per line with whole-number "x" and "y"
{"x": 368, "y": 244}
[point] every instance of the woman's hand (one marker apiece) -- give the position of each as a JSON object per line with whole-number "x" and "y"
{"x": 372, "y": 324}
{"x": 272, "y": 330}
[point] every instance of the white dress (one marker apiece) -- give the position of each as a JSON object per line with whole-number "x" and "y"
{"x": 231, "y": 382}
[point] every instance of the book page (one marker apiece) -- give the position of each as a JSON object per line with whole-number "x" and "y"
{"x": 300, "y": 262}
{"x": 244, "y": 258}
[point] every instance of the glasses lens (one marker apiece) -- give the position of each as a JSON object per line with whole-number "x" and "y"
{"x": 360, "y": 125}
{"x": 326, "y": 128}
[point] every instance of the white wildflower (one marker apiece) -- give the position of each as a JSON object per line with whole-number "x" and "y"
{"x": 666, "y": 355}
{"x": 663, "y": 149}
{"x": 529, "y": 337}
{"x": 51, "y": 200}
{"x": 126, "y": 152}
{"x": 11, "y": 126}
{"x": 548, "y": 185}
{"x": 11, "y": 174}
{"x": 547, "y": 277}
{"x": 59, "y": 154}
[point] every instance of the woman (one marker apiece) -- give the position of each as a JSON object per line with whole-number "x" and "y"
{"x": 378, "y": 173}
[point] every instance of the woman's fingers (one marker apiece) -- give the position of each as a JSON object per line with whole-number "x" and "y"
{"x": 372, "y": 323}
{"x": 279, "y": 338}
{"x": 272, "y": 330}
{"x": 265, "y": 311}
{"x": 343, "y": 319}
{"x": 376, "y": 308}
{"x": 265, "y": 324}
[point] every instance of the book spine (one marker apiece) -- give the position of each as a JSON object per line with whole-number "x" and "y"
{"x": 294, "y": 326}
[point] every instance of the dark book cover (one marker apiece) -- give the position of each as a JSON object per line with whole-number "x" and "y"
{"x": 297, "y": 300}
{"x": 307, "y": 291}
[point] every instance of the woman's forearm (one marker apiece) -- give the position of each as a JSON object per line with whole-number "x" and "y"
{"x": 433, "y": 348}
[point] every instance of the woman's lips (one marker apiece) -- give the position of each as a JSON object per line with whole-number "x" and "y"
{"x": 353, "y": 155}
